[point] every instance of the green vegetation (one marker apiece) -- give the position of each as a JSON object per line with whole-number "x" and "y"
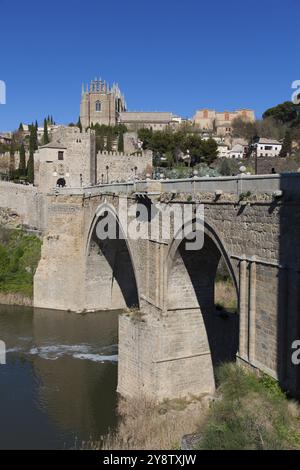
{"x": 286, "y": 149}
{"x": 107, "y": 135}
{"x": 19, "y": 257}
{"x": 174, "y": 145}
{"x": 287, "y": 112}
{"x": 45, "y": 136}
{"x": 252, "y": 413}
{"x": 22, "y": 164}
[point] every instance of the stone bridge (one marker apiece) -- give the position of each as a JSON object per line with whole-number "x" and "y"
{"x": 169, "y": 346}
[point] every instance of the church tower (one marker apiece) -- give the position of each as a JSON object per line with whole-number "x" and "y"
{"x": 101, "y": 104}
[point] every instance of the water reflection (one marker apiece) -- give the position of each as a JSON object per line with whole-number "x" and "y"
{"x": 60, "y": 379}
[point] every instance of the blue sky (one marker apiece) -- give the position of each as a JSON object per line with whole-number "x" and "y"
{"x": 166, "y": 55}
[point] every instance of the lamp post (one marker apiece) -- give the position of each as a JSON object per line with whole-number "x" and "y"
{"x": 107, "y": 168}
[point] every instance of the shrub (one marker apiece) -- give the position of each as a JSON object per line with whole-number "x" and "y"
{"x": 252, "y": 414}
{"x": 19, "y": 257}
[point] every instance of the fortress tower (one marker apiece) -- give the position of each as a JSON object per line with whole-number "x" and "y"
{"x": 101, "y": 104}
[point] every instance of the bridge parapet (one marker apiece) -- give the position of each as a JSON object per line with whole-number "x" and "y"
{"x": 289, "y": 182}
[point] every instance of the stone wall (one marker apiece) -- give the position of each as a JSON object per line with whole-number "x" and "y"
{"x": 268, "y": 165}
{"x": 26, "y": 201}
{"x": 122, "y": 167}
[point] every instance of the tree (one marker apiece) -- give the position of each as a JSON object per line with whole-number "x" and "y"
{"x": 33, "y": 140}
{"x": 22, "y": 162}
{"x": 46, "y": 139}
{"x": 109, "y": 142}
{"x": 287, "y": 145}
{"x": 285, "y": 112}
{"x": 30, "y": 168}
{"x": 79, "y": 125}
{"x": 209, "y": 151}
{"x": 145, "y": 135}
{"x": 244, "y": 129}
{"x": 100, "y": 144}
{"x": 21, "y": 129}
{"x": 121, "y": 142}
{"x": 11, "y": 161}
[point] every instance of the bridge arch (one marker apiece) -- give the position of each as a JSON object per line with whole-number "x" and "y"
{"x": 207, "y": 336}
{"x": 110, "y": 278}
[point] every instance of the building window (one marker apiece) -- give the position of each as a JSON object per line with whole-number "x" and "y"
{"x": 98, "y": 106}
{"x": 60, "y": 155}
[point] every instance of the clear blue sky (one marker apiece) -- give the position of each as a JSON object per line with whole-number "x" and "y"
{"x": 166, "y": 55}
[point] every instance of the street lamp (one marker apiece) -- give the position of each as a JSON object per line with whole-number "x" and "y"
{"x": 107, "y": 168}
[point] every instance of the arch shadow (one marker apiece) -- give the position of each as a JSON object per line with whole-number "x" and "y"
{"x": 191, "y": 287}
{"x": 110, "y": 270}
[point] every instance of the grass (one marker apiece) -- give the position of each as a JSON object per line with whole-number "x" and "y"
{"x": 145, "y": 424}
{"x": 225, "y": 295}
{"x": 253, "y": 413}
{"x": 249, "y": 412}
{"x": 19, "y": 257}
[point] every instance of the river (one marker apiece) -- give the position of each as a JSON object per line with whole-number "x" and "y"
{"x": 58, "y": 386}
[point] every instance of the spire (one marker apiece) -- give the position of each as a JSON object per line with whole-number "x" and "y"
{"x": 82, "y": 90}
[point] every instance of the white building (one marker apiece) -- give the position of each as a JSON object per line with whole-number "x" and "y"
{"x": 223, "y": 150}
{"x": 268, "y": 147}
{"x": 237, "y": 151}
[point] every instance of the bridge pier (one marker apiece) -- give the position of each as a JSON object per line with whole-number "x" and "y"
{"x": 161, "y": 359}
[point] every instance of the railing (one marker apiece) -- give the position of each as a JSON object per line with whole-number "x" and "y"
{"x": 289, "y": 182}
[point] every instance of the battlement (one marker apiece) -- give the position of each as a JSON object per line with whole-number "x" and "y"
{"x": 120, "y": 154}
{"x": 119, "y": 166}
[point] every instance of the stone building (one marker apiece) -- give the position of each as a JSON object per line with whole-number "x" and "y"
{"x": 68, "y": 160}
{"x": 104, "y": 105}
{"x": 220, "y": 122}
{"x": 157, "y": 120}
{"x": 101, "y": 104}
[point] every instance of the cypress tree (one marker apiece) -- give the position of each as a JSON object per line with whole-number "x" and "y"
{"x": 109, "y": 142}
{"x": 100, "y": 142}
{"x": 11, "y": 161}
{"x": 121, "y": 142}
{"x": 79, "y": 124}
{"x": 22, "y": 163}
{"x": 21, "y": 129}
{"x": 30, "y": 168}
{"x": 46, "y": 136}
{"x": 286, "y": 145}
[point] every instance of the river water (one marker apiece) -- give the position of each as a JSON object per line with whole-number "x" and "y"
{"x": 58, "y": 386}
